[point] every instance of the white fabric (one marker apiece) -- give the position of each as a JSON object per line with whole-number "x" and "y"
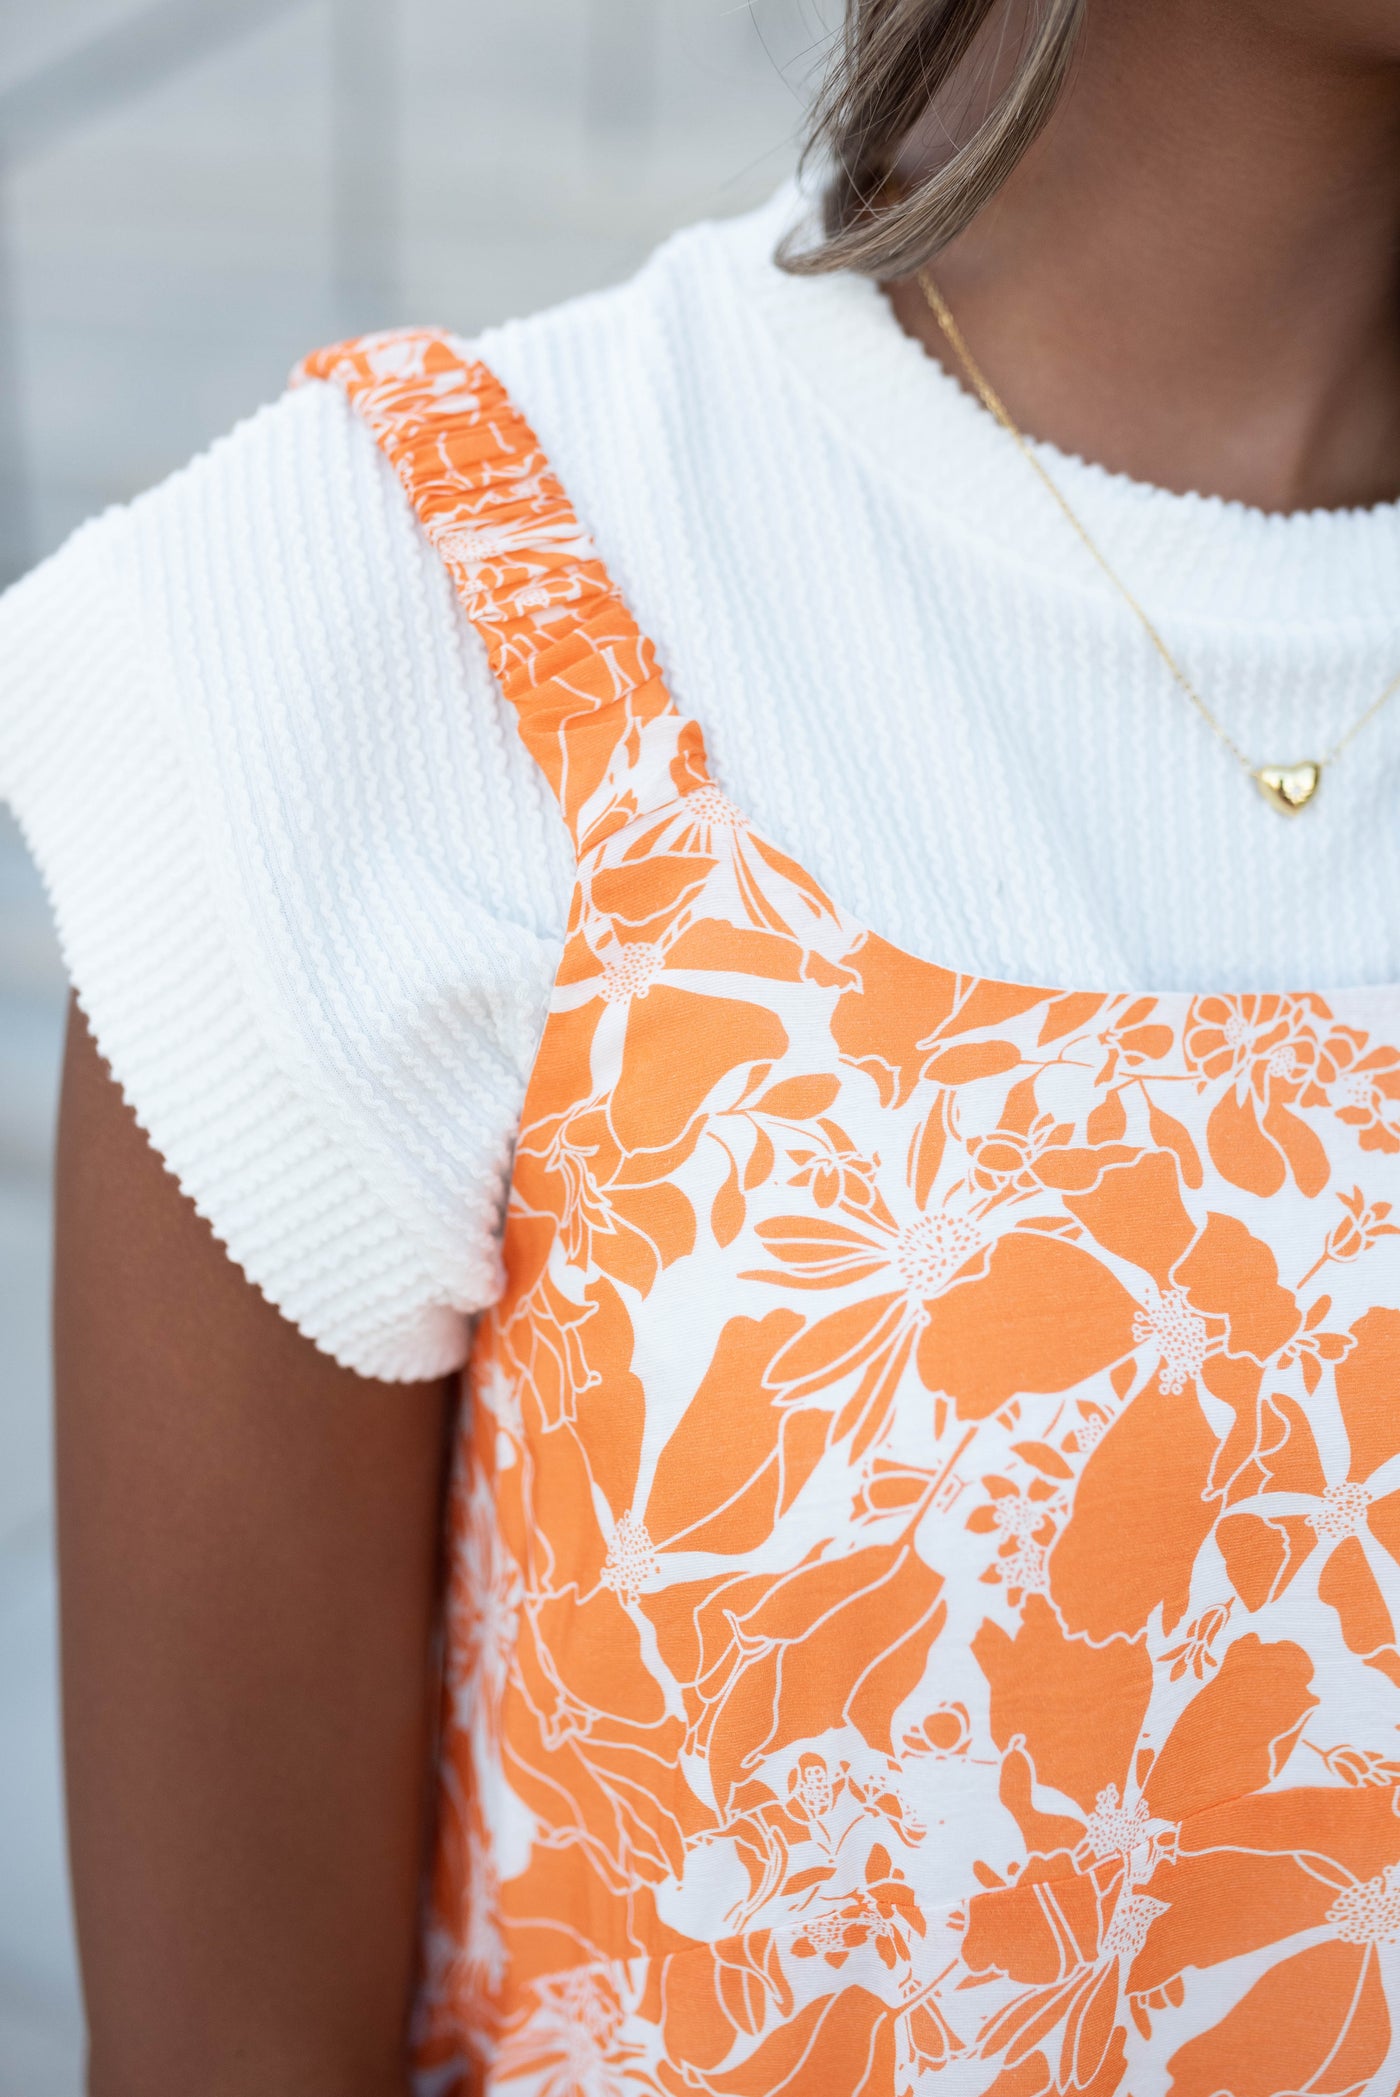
{"x": 311, "y": 890}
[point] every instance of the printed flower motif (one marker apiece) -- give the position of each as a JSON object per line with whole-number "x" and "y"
{"x": 1359, "y": 1766}
{"x": 766, "y": 1664}
{"x": 1177, "y": 1336}
{"x": 1261, "y": 1055}
{"x": 1029, "y": 1152}
{"x": 1214, "y": 1315}
{"x": 1041, "y": 1315}
{"x": 754, "y": 1454}
{"x": 716, "y": 1994}
{"x": 1314, "y": 1869}
{"x": 884, "y": 1911}
{"x": 946, "y": 1731}
{"x": 888, "y": 1271}
{"x": 783, "y": 1128}
{"x": 835, "y": 1174}
{"x": 778, "y": 902}
{"x": 1002, "y": 1160}
{"x": 631, "y": 1565}
{"x": 1046, "y": 1313}
{"x": 1135, "y": 1040}
{"x": 1313, "y": 1347}
{"x": 1072, "y": 1929}
{"x": 799, "y": 1846}
{"x": 1025, "y": 1520}
{"x": 573, "y": 2038}
{"x": 812, "y": 1790}
{"x": 607, "y": 1166}
{"x": 1362, "y": 1226}
{"x": 1342, "y": 1505}
{"x": 1196, "y": 1653}
{"x": 1259, "y": 1040}
{"x": 1362, "y": 1086}
{"x": 816, "y": 1792}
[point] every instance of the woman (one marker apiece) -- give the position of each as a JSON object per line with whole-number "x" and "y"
{"x": 923, "y": 1545}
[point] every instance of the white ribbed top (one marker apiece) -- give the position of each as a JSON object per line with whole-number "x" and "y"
{"x": 311, "y": 890}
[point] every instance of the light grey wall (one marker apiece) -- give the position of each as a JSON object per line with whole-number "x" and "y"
{"x": 192, "y": 194}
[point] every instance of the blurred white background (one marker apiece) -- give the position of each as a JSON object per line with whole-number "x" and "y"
{"x": 192, "y": 194}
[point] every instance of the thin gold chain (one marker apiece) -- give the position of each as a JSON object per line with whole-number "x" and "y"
{"x": 994, "y": 405}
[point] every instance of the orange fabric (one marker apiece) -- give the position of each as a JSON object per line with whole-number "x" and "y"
{"x": 925, "y": 1545}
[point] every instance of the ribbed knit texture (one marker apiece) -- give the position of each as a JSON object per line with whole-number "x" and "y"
{"x": 311, "y": 889}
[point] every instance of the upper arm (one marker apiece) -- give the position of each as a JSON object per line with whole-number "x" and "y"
{"x": 310, "y": 885}
{"x": 248, "y": 1550}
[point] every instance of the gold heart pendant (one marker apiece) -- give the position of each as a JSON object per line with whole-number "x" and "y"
{"x": 1288, "y": 787}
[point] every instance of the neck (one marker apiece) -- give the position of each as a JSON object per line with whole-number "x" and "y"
{"x": 1191, "y": 277}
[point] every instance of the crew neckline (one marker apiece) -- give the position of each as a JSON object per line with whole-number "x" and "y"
{"x": 1199, "y": 558}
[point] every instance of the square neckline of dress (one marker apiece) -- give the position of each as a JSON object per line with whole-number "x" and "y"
{"x": 383, "y": 377}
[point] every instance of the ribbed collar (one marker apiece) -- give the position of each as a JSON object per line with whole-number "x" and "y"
{"x": 1195, "y": 557}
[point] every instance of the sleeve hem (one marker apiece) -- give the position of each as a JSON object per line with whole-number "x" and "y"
{"x": 97, "y": 792}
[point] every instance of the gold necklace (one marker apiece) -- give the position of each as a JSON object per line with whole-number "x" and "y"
{"x": 1285, "y": 787}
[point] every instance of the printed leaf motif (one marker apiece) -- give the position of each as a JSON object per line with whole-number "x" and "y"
{"x": 1043, "y": 1458}
{"x": 761, "y": 1161}
{"x": 1169, "y": 1134}
{"x": 1108, "y": 1122}
{"x": 815, "y": 1875}
{"x": 729, "y": 1209}
{"x": 927, "y": 1152}
{"x": 1301, "y": 1146}
{"x": 1241, "y": 1151}
{"x": 970, "y": 1060}
{"x": 1069, "y": 1015}
{"x": 799, "y": 1099}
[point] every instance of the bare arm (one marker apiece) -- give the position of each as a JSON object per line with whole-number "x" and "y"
{"x": 248, "y": 1554}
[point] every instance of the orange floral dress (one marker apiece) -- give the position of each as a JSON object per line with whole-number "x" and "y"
{"x": 924, "y": 1604}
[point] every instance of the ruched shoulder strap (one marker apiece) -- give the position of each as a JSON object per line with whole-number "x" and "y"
{"x": 593, "y": 707}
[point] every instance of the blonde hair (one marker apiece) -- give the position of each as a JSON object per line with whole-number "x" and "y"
{"x": 893, "y": 60}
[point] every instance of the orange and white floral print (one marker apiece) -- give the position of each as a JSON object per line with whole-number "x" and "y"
{"x": 924, "y": 1608}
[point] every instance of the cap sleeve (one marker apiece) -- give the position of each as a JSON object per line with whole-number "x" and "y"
{"x": 310, "y": 889}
